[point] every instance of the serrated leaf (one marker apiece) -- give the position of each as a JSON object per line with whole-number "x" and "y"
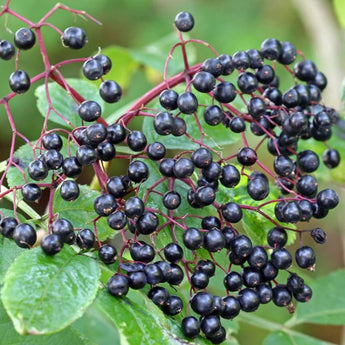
{"x": 327, "y": 305}
{"x": 214, "y": 136}
{"x": 25, "y": 154}
{"x": 283, "y": 338}
{"x": 11, "y": 337}
{"x": 81, "y": 212}
{"x": 64, "y": 103}
{"x": 44, "y": 294}
{"x": 134, "y": 321}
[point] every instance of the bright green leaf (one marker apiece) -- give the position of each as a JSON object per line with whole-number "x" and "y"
{"x": 9, "y": 336}
{"x": 64, "y": 103}
{"x": 283, "y": 338}
{"x": 339, "y": 7}
{"x": 44, "y": 294}
{"x": 327, "y": 305}
{"x": 81, "y": 212}
{"x": 134, "y": 321}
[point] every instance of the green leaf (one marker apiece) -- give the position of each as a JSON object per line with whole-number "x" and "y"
{"x": 339, "y": 7}
{"x": 11, "y": 337}
{"x": 215, "y": 136}
{"x": 25, "y": 154}
{"x": 154, "y": 55}
{"x": 327, "y": 305}
{"x": 44, "y": 294}
{"x": 64, "y": 103}
{"x": 81, "y": 212}
{"x": 283, "y": 338}
{"x": 134, "y": 321}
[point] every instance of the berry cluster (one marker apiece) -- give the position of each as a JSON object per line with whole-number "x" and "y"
{"x": 243, "y": 97}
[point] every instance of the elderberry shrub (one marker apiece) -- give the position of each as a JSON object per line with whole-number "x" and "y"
{"x": 186, "y": 198}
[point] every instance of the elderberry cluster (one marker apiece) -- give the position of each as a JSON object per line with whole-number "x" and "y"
{"x": 281, "y": 119}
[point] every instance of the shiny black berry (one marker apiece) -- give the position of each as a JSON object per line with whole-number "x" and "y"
{"x": 31, "y": 192}
{"x": 107, "y": 254}
{"x": 184, "y": 21}
{"x": 110, "y": 91}
{"x": 89, "y": 111}
{"x": 19, "y": 82}
{"x": 118, "y": 285}
{"x": 51, "y": 244}
{"x": 168, "y": 99}
{"x": 187, "y": 103}
{"x": 190, "y": 326}
{"x": 85, "y": 239}
{"x": 136, "y": 141}
{"x": 74, "y": 38}
{"x": 64, "y": 229}
{"x": 24, "y": 235}
{"x": 7, "y": 50}
{"x": 24, "y": 38}
{"x": 92, "y": 69}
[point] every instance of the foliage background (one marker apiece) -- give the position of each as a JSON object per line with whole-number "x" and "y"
{"x": 229, "y": 26}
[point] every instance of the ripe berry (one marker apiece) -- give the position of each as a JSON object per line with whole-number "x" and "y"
{"x": 281, "y": 258}
{"x": 116, "y": 187}
{"x": 265, "y": 293}
{"x": 230, "y": 176}
{"x": 168, "y": 99}
{"x": 226, "y": 61}
{"x": 173, "y": 306}
{"x": 134, "y": 207}
{"x": 288, "y": 53}
{"x": 277, "y": 237}
{"x": 241, "y": 245}
{"x": 206, "y": 266}
{"x": 116, "y": 133}
{"x": 96, "y": 133}
{"x": 106, "y": 151}
{"x": 7, "y": 50}
{"x": 156, "y": 151}
{"x": 24, "y": 235}
{"x": 92, "y": 69}
{"x": 37, "y": 170}
{"x": 232, "y": 307}
{"x": 193, "y": 239}
{"x": 202, "y": 303}
{"x": 305, "y": 70}
{"x": 213, "y": 115}
{"x": 89, "y": 111}
{"x": 233, "y": 281}
{"x": 331, "y": 158}
{"x": 294, "y": 282}
{"x": 256, "y": 107}
{"x": 251, "y": 277}
{"x": 153, "y": 273}
{"x": 117, "y": 220}
{"x": 138, "y": 171}
{"x": 166, "y": 167}
{"x": 107, "y": 254}
{"x": 224, "y": 92}
{"x": 283, "y": 165}
{"x": 184, "y": 21}
{"x": 248, "y": 299}
{"x": 258, "y": 257}
{"x": 241, "y": 60}
{"x": 237, "y": 125}
{"x": 85, "y": 239}
{"x": 246, "y": 156}
{"x": 142, "y": 252}
{"x": 190, "y": 326}
{"x": 187, "y": 103}
{"x": 304, "y": 295}
{"x": 214, "y": 240}
{"x": 269, "y": 272}
{"x": 24, "y": 38}
{"x": 327, "y": 198}
{"x": 210, "y": 324}
{"x": 210, "y": 222}
{"x": 110, "y": 91}
{"x": 31, "y": 192}
{"x": 105, "y": 204}
{"x": 19, "y": 82}
{"x": 71, "y": 167}
{"x": 176, "y": 276}
{"x": 53, "y": 159}
{"x": 179, "y": 128}
{"x": 308, "y": 161}
{"x": 258, "y": 188}
{"x": 64, "y": 229}
{"x": 281, "y": 295}
{"x": 305, "y": 257}
{"x": 52, "y": 141}
{"x": 307, "y": 186}
{"x": 199, "y": 280}
{"x": 265, "y": 74}
{"x": 136, "y": 280}
{"x": 247, "y": 82}
{"x": 105, "y": 62}
{"x": 213, "y": 66}
{"x": 183, "y": 168}
{"x": 171, "y": 200}
{"x": 51, "y": 244}
{"x": 173, "y": 252}
{"x": 136, "y": 141}
{"x": 271, "y": 49}
{"x": 74, "y": 38}
{"x": 86, "y": 155}
{"x": 232, "y": 212}
{"x": 7, "y": 226}
{"x": 159, "y": 295}
{"x": 201, "y": 158}
{"x": 118, "y": 285}
{"x": 147, "y": 223}
{"x": 204, "y": 81}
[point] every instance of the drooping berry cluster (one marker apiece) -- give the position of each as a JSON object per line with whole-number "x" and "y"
{"x": 243, "y": 97}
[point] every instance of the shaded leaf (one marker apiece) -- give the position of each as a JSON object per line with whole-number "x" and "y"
{"x": 64, "y": 103}
{"x": 327, "y": 305}
{"x": 11, "y": 337}
{"x": 44, "y": 294}
{"x": 81, "y": 212}
{"x": 293, "y": 338}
